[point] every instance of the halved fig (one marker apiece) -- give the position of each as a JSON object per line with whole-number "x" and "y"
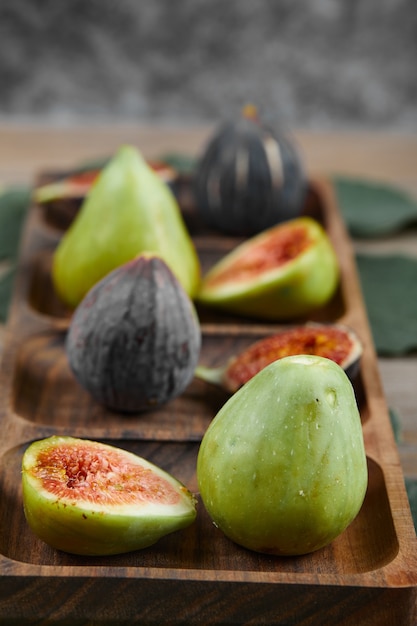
{"x": 283, "y": 273}
{"x": 62, "y": 198}
{"x": 333, "y": 341}
{"x": 90, "y": 498}
{"x": 76, "y": 185}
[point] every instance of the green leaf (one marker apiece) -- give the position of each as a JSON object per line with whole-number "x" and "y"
{"x": 373, "y": 210}
{"x": 6, "y": 289}
{"x": 410, "y": 483}
{"x": 182, "y": 163}
{"x": 396, "y": 425}
{"x": 389, "y": 287}
{"x": 411, "y": 486}
{"x": 13, "y": 207}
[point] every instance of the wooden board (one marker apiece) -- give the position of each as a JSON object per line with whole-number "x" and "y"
{"x": 368, "y": 575}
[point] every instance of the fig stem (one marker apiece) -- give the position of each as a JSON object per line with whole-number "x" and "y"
{"x": 213, "y": 375}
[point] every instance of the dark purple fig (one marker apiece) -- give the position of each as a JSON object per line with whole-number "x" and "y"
{"x": 336, "y": 342}
{"x": 249, "y": 177}
{"x": 134, "y": 340}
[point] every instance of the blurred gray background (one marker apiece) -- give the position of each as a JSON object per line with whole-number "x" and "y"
{"x": 313, "y": 63}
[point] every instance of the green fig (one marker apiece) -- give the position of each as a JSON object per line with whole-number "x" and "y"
{"x": 129, "y": 210}
{"x": 86, "y": 497}
{"x": 284, "y": 272}
{"x": 282, "y": 467}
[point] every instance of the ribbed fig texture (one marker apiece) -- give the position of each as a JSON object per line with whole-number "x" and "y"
{"x": 134, "y": 340}
{"x": 249, "y": 178}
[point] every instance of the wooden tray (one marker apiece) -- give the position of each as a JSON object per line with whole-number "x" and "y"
{"x": 368, "y": 575}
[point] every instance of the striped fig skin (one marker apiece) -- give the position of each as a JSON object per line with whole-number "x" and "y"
{"x": 134, "y": 340}
{"x": 249, "y": 178}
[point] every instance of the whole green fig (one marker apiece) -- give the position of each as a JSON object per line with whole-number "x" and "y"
{"x": 282, "y": 467}
{"x": 129, "y": 210}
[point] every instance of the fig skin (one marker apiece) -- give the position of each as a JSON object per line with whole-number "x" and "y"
{"x": 282, "y": 467}
{"x": 249, "y": 177}
{"x": 128, "y": 211}
{"x": 279, "y": 291}
{"x": 92, "y": 519}
{"x": 134, "y": 340}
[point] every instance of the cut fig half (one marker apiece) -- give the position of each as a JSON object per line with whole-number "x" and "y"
{"x": 76, "y": 185}
{"x": 283, "y": 273}
{"x": 89, "y": 498}
{"x": 333, "y": 341}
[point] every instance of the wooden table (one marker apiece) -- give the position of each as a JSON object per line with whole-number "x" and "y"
{"x": 26, "y": 149}
{"x": 369, "y": 574}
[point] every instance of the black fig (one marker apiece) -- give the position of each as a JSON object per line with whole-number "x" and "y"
{"x": 134, "y": 340}
{"x": 249, "y": 177}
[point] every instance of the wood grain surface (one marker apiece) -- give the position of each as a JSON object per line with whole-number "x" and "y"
{"x": 367, "y": 576}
